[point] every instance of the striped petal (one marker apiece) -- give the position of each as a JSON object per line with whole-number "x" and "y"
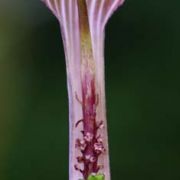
{"x": 98, "y": 12}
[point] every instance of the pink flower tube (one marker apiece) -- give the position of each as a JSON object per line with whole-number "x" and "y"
{"x": 82, "y": 24}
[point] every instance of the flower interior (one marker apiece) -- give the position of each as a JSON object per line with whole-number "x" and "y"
{"x": 82, "y": 24}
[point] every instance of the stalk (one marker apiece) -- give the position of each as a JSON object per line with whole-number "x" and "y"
{"x": 82, "y": 25}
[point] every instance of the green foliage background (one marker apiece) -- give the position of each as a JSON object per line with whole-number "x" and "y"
{"x": 142, "y": 85}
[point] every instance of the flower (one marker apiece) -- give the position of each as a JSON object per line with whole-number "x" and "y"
{"x": 82, "y": 24}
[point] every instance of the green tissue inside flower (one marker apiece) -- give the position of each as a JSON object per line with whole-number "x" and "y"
{"x": 96, "y": 177}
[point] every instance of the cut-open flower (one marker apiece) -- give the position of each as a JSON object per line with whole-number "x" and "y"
{"x": 82, "y": 25}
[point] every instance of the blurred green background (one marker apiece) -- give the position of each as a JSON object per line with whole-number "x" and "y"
{"x": 142, "y": 85}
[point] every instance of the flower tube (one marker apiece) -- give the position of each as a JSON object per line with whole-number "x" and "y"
{"x": 82, "y": 24}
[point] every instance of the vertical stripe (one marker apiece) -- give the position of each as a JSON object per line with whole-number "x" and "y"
{"x": 111, "y": 9}
{"x": 99, "y": 10}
